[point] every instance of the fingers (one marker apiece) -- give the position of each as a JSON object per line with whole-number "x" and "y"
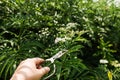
{"x": 43, "y": 71}
{"x": 38, "y": 60}
{"x": 35, "y": 60}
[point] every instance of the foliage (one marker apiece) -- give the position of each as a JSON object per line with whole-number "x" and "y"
{"x": 88, "y": 29}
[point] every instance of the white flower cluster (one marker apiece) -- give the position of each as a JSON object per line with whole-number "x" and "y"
{"x": 115, "y": 63}
{"x": 103, "y": 61}
{"x": 44, "y": 32}
{"x": 58, "y": 39}
{"x": 117, "y": 3}
{"x": 71, "y": 25}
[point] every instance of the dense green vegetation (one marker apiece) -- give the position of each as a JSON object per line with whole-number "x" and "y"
{"x": 89, "y": 30}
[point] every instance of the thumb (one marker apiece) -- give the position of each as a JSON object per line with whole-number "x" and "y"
{"x": 43, "y": 71}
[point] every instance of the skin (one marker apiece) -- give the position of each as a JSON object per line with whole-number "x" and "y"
{"x": 30, "y": 69}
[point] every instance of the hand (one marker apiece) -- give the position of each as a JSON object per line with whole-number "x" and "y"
{"x": 30, "y": 69}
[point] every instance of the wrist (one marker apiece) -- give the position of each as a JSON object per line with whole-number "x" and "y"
{"x": 18, "y": 77}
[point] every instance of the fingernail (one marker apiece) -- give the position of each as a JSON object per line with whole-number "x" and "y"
{"x": 47, "y": 69}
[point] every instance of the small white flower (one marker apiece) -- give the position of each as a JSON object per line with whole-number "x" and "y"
{"x": 117, "y": 65}
{"x": 67, "y": 38}
{"x": 95, "y": 0}
{"x": 103, "y": 61}
{"x": 0, "y": 2}
{"x": 30, "y": 51}
{"x": 71, "y": 25}
{"x": 117, "y": 3}
{"x": 59, "y": 39}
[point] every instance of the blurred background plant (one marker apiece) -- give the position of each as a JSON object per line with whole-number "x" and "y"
{"x": 88, "y": 29}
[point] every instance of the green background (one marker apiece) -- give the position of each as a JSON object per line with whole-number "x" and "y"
{"x": 89, "y": 30}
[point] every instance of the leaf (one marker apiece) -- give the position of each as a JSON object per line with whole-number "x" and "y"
{"x": 75, "y": 48}
{"x": 2, "y": 57}
{"x": 110, "y": 75}
{"x": 11, "y": 63}
{"x": 4, "y": 66}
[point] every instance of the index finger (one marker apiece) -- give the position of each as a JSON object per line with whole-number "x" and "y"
{"x": 38, "y": 60}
